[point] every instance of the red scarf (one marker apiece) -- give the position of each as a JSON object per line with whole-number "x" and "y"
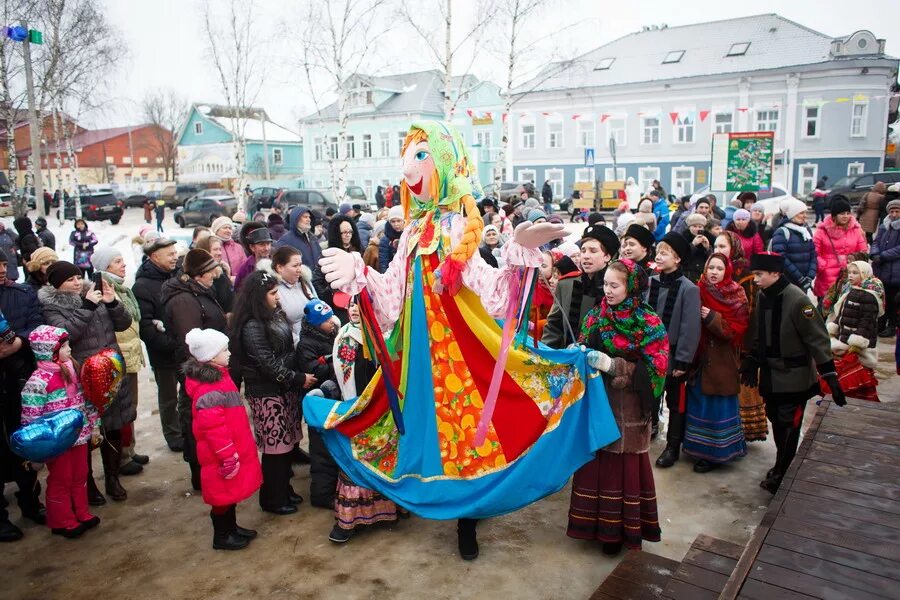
{"x": 726, "y": 298}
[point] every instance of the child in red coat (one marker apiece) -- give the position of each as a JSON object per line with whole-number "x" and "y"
{"x": 229, "y": 466}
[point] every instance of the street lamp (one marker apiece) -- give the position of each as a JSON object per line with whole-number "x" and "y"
{"x": 21, "y": 33}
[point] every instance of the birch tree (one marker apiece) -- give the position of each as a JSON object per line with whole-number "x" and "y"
{"x": 443, "y": 48}
{"x": 239, "y": 59}
{"x": 339, "y": 40}
{"x": 166, "y": 110}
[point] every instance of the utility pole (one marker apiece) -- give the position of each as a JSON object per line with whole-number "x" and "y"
{"x": 262, "y": 119}
{"x": 21, "y": 33}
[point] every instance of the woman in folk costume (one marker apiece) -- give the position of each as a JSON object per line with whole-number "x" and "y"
{"x": 713, "y": 433}
{"x": 459, "y": 423}
{"x": 613, "y": 495}
{"x": 853, "y": 327}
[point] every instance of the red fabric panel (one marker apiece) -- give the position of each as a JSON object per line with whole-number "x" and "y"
{"x": 378, "y": 405}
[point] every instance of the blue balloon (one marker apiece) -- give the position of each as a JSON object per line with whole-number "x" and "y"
{"x": 47, "y": 436}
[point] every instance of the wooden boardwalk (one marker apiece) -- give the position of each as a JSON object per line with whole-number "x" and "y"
{"x": 833, "y": 529}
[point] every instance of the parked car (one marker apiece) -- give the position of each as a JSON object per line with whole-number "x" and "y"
{"x": 854, "y": 187}
{"x": 6, "y": 207}
{"x": 205, "y": 207}
{"x": 175, "y": 195}
{"x": 264, "y": 197}
{"x": 770, "y": 199}
{"x": 357, "y": 195}
{"x": 132, "y": 200}
{"x": 96, "y": 206}
{"x": 508, "y": 190}
{"x": 318, "y": 200}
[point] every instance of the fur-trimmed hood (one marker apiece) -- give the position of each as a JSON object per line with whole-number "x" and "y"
{"x": 64, "y": 300}
{"x": 202, "y": 372}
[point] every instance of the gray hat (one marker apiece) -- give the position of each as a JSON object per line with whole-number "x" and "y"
{"x": 157, "y": 244}
{"x": 102, "y": 256}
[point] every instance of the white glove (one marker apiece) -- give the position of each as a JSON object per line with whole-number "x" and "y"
{"x": 339, "y": 268}
{"x": 316, "y": 392}
{"x": 159, "y": 325}
{"x": 600, "y": 361}
{"x": 533, "y": 236}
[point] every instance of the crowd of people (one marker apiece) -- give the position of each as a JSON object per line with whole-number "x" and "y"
{"x": 727, "y": 318}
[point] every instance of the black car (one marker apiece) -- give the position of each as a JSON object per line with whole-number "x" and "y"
{"x": 205, "y": 207}
{"x": 96, "y": 206}
{"x": 135, "y": 200}
{"x": 318, "y": 200}
{"x": 263, "y": 197}
{"x": 853, "y": 187}
{"x": 175, "y": 195}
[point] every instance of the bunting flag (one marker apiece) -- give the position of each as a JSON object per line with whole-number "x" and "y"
{"x": 673, "y": 116}
{"x": 604, "y": 117}
{"x": 504, "y": 117}
{"x": 575, "y": 117}
{"x": 703, "y": 115}
{"x": 743, "y": 108}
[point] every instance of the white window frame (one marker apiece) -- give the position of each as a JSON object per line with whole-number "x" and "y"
{"x": 585, "y": 133}
{"x": 617, "y": 127}
{"x": 319, "y": 149}
{"x": 807, "y": 119}
{"x": 802, "y": 181}
{"x": 198, "y": 128}
{"x": 482, "y": 136}
{"x": 619, "y": 175}
{"x": 861, "y": 119}
{"x": 125, "y": 160}
{"x": 723, "y": 127}
{"x": 526, "y": 139}
{"x": 557, "y": 185}
{"x": 645, "y": 127}
{"x": 523, "y": 178}
{"x": 645, "y": 180}
{"x": 350, "y": 142}
{"x": 764, "y": 124}
{"x": 683, "y": 130}
{"x": 369, "y": 186}
{"x": 401, "y": 137}
{"x": 143, "y": 160}
{"x": 681, "y": 190}
{"x": 333, "y": 147}
{"x": 367, "y": 145}
{"x": 584, "y": 174}
{"x": 554, "y": 134}
{"x": 277, "y": 156}
{"x": 855, "y": 168}
{"x": 384, "y": 139}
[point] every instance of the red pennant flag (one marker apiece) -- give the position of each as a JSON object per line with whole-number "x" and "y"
{"x": 703, "y": 115}
{"x": 469, "y": 112}
{"x": 575, "y": 117}
{"x": 504, "y": 117}
{"x": 489, "y": 115}
{"x": 604, "y": 117}
{"x": 673, "y": 116}
{"x": 545, "y": 114}
{"x": 743, "y": 108}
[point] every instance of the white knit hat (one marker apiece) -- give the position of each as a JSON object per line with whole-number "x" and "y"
{"x": 791, "y": 207}
{"x": 395, "y": 212}
{"x": 219, "y": 223}
{"x": 102, "y": 256}
{"x": 205, "y": 344}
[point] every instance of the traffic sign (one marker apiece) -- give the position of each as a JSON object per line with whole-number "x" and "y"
{"x": 589, "y": 157}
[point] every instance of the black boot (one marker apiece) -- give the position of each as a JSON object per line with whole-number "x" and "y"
{"x": 31, "y": 507}
{"x": 273, "y": 494}
{"x": 110, "y": 451}
{"x": 669, "y": 456}
{"x": 9, "y": 532}
{"x": 224, "y": 537}
{"x": 611, "y": 548}
{"x": 241, "y": 531}
{"x": 95, "y": 498}
{"x": 467, "y": 539}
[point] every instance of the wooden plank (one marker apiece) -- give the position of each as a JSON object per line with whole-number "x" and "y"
{"x": 868, "y": 411}
{"x": 745, "y": 562}
{"x": 876, "y": 434}
{"x": 717, "y": 546}
{"x": 852, "y": 458}
{"x": 629, "y": 589}
{"x": 843, "y": 538}
{"x": 760, "y": 590}
{"x": 807, "y": 584}
{"x": 874, "y": 406}
{"x": 702, "y": 578}
{"x": 854, "y": 498}
{"x": 837, "y": 515}
{"x": 681, "y": 590}
{"x": 887, "y": 458}
{"x": 841, "y": 440}
{"x": 639, "y": 576}
{"x": 847, "y": 478}
{"x": 844, "y": 556}
{"x": 829, "y": 571}
{"x": 710, "y": 561}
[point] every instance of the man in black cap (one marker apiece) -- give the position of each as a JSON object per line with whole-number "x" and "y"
{"x": 488, "y": 210}
{"x": 162, "y": 258}
{"x": 637, "y": 245}
{"x": 787, "y": 344}
{"x": 576, "y": 295}
{"x": 676, "y": 300}
{"x": 257, "y": 241}
{"x": 46, "y": 236}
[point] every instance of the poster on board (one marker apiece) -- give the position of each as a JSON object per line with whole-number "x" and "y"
{"x": 742, "y": 162}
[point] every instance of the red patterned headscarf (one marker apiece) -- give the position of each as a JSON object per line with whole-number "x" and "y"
{"x": 726, "y": 298}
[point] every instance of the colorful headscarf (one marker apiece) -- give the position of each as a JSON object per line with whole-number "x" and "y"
{"x": 726, "y": 298}
{"x": 630, "y": 329}
{"x": 869, "y": 283}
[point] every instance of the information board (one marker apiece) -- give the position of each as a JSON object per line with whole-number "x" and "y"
{"x": 742, "y": 162}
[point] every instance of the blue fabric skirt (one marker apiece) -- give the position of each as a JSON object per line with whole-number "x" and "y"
{"x": 713, "y": 429}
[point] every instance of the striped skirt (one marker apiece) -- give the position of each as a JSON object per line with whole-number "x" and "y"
{"x": 753, "y": 415}
{"x": 355, "y": 505}
{"x": 614, "y": 500}
{"x": 713, "y": 427}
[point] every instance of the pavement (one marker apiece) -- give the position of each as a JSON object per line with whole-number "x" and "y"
{"x": 157, "y": 544}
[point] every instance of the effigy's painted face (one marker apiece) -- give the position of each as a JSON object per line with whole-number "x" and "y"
{"x": 418, "y": 166}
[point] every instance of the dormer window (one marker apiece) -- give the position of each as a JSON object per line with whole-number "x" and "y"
{"x": 361, "y": 97}
{"x": 673, "y": 57}
{"x": 604, "y": 64}
{"x": 739, "y": 49}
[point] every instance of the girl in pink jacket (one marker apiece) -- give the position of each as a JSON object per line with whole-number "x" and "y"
{"x": 55, "y": 386}
{"x": 836, "y": 238}
{"x": 229, "y": 466}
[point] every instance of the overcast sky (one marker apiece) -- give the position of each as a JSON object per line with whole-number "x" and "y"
{"x": 167, "y": 46}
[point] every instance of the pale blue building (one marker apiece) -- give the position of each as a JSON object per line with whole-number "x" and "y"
{"x": 381, "y": 111}
{"x": 206, "y": 149}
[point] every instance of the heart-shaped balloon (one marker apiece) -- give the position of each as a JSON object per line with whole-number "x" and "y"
{"x": 101, "y": 376}
{"x": 47, "y": 436}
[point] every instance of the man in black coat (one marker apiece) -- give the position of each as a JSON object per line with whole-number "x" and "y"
{"x": 161, "y": 346}
{"x": 46, "y": 236}
{"x": 22, "y": 312}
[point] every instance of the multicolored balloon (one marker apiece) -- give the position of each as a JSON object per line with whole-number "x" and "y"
{"x": 101, "y": 376}
{"x": 47, "y": 436}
